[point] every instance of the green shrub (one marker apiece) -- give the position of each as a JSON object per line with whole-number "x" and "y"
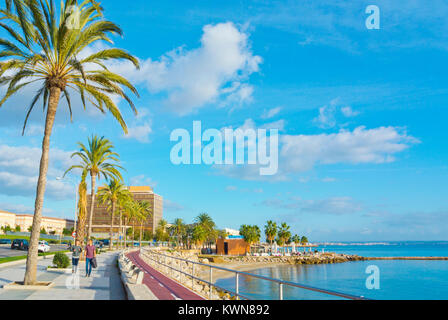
{"x": 61, "y": 260}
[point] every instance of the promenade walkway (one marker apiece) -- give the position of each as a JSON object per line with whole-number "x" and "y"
{"x": 103, "y": 284}
{"x": 161, "y": 286}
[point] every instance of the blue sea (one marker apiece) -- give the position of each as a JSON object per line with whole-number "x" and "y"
{"x": 398, "y": 279}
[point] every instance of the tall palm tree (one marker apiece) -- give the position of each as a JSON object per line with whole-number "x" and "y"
{"x": 129, "y": 212}
{"x": 178, "y": 230}
{"x": 283, "y": 233}
{"x": 208, "y": 226}
{"x": 42, "y": 47}
{"x": 99, "y": 160}
{"x": 123, "y": 198}
{"x": 145, "y": 211}
{"x": 82, "y": 209}
{"x": 161, "y": 231}
{"x": 270, "y": 230}
{"x": 109, "y": 195}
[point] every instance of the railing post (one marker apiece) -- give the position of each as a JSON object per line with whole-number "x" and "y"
{"x": 280, "y": 291}
{"x": 192, "y": 276}
{"x": 211, "y": 280}
{"x": 237, "y": 287}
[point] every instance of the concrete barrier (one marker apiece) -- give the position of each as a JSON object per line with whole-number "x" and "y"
{"x": 132, "y": 278}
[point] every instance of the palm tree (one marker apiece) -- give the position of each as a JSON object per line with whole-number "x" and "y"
{"x": 208, "y": 226}
{"x": 161, "y": 231}
{"x": 43, "y": 49}
{"x": 251, "y": 234}
{"x": 199, "y": 235}
{"x": 130, "y": 210}
{"x": 82, "y": 209}
{"x": 145, "y": 211}
{"x": 270, "y": 230}
{"x": 108, "y": 195}
{"x": 304, "y": 240}
{"x": 283, "y": 233}
{"x": 124, "y": 197}
{"x": 178, "y": 230}
{"x": 99, "y": 160}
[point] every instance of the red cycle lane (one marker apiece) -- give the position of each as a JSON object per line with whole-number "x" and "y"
{"x": 163, "y": 287}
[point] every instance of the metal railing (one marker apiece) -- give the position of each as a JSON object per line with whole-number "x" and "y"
{"x": 162, "y": 260}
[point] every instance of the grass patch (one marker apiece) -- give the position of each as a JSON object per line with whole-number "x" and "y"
{"x": 11, "y": 237}
{"x": 16, "y": 258}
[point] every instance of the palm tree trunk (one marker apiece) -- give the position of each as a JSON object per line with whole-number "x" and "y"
{"x": 125, "y": 231}
{"x": 92, "y": 204}
{"x": 133, "y": 231}
{"x": 31, "y": 262}
{"x": 112, "y": 225}
{"x": 121, "y": 231}
{"x": 141, "y": 231}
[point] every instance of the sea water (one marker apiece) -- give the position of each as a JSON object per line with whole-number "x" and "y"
{"x": 398, "y": 279}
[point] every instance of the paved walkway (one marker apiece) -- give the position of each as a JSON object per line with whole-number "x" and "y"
{"x": 161, "y": 286}
{"x": 103, "y": 284}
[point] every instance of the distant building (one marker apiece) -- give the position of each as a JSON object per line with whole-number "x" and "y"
{"x": 232, "y": 232}
{"x": 25, "y": 221}
{"x": 7, "y": 219}
{"x": 101, "y": 215}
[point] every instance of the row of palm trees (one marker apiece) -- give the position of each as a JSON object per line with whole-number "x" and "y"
{"x": 201, "y": 233}
{"x": 274, "y": 234}
{"x": 281, "y": 234}
{"x": 43, "y": 47}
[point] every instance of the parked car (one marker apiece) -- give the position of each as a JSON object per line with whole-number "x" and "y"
{"x": 97, "y": 244}
{"x": 5, "y": 241}
{"x": 20, "y": 244}
{"x": 43, "y": 246}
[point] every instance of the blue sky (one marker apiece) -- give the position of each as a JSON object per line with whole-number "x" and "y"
{"x": 361, "y": 115}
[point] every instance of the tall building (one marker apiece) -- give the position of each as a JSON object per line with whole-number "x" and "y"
{"x": 101, "y": 215}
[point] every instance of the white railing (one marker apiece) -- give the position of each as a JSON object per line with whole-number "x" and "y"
{"x": 163, "y": 260}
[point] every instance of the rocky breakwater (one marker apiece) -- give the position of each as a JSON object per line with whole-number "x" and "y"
{"x": 320, "y": 258}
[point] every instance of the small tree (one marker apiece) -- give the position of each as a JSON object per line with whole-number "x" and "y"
{"x": 43, "y": 231}
{"x": 251, "y": 234}
{"x": 304, "y": 240}
{"x": 17, "y": 229}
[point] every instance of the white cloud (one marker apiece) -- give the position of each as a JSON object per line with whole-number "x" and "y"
{"x": 348, "y": 112}
{"x": 142, "y": 180}
{"x": 193, "y": 78}
{"x": 139, "y": 132}
{"x": 300, "y": 153}
{"x": 328, "y": 114}
{"x": 140, "y": 128}
{"x": 169, "y": 205}
{"x": 19, "y": 169}
{"x": 267, "y": 114}
{"x": 379, "y": 145}
{"x": 333, "y": 205}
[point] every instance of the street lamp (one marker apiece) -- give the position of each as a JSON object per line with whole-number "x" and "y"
{"x": 76, "y": 197}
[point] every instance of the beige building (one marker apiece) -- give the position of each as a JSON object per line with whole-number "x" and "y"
{"x": 101, "y": 214}
{"x": 25, "y": 221}
{"x": 7, "y": 219}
